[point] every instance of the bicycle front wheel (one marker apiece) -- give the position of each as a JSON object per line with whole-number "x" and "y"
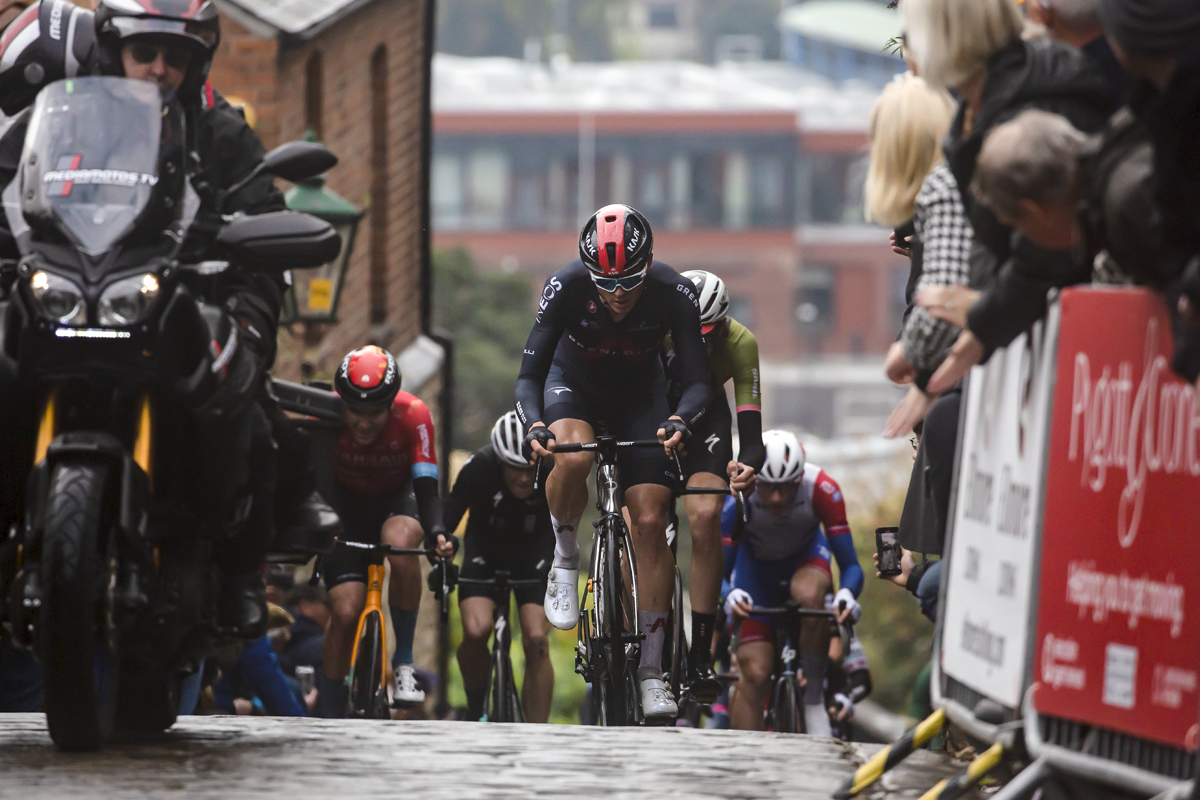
{"x": 617, "y": 607}
{"x": 787, "y": 713}
{"x": 368, "y": 695}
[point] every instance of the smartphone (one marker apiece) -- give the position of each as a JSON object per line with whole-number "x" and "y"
{"x": 888, "y": 547}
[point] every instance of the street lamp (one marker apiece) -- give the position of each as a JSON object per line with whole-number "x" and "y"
{"x": 314, "y": 294}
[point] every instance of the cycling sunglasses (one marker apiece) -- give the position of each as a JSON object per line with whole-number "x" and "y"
{"x": 175, "y": 58}
{"x": 626, "y": 282}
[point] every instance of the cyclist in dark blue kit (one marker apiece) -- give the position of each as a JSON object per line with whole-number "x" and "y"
{"x": 593, "y": 359}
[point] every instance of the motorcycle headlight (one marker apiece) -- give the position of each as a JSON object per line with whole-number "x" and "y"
{"x": 59, "y": 298}
{"x": 127, "y": 300}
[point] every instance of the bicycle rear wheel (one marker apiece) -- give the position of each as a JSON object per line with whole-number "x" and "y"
{"x": 787, "y": 714}
{"x": 612, "y": 594}
{"x": 368, "y": 695}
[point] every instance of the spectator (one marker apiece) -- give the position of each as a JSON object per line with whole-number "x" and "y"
{"x": 280, "y": 581}
{"x": 310, "y": 608}
{"x": 1077, "y": 23}
{"x": 975, "y": 47}
{"x": 256, "y": 680}
{"x": 1158, "y": 41}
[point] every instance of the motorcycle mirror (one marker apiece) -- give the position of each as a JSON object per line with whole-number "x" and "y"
{"x": 280, "y": 240}
{"x": 292, "y": 161}
{"x": 296, "y": 161}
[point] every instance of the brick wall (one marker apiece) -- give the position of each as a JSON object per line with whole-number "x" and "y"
{"x": 274, "y": 82}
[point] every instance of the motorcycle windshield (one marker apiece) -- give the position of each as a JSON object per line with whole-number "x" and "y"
{"x": 91, "y": 156}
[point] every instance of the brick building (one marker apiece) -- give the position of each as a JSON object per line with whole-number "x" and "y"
{"x": 356, "y": 73}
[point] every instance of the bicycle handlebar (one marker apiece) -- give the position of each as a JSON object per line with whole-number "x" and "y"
{"x": 387, "y": 549}
{"x": 494, "y": 582}
{"x": 580, "y": 447}
{"x": 799, "y": 611}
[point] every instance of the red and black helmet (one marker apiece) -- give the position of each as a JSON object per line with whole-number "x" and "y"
{"x": 191, "y": 25}
{"x": 368, "y": 378}
{"x": 616, "y": 241}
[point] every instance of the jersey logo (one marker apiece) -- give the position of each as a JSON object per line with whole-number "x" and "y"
{"x": 558, "y": 390}
{"x": 712, "y": 441}
{"x": 553, "y": 287}
{"x": 591, "y": 307}
{"x": 788, "y": 655}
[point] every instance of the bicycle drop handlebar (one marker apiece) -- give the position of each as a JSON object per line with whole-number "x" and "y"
{"x": 387, "y": 549}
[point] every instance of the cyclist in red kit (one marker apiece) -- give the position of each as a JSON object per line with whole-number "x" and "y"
{"x": 386, "y": 487}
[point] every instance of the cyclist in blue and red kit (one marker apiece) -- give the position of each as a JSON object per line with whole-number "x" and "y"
{"x": 783, "y": 541}
{"x": 386, "y": 487}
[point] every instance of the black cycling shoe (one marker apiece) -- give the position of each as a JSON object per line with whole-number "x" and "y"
{"x": 242, "y": 606}
{"x": 702, "y": 681}
{"x": 304, "y": 528}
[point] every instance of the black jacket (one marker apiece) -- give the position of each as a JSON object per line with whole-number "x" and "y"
{"x": 1038, "y": 73}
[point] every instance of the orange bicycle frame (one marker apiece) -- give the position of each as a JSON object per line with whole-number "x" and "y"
{"x": 374, "y": 605}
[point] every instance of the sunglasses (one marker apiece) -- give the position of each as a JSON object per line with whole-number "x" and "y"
{"x": 147, "y": 54}
{"x": 626, "y": 282}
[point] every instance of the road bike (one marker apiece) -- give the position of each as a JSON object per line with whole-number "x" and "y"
{"x": 503, "y": 702}
{"x": 785, "y": 711}
{"x": 369, "y": 673}
{"x": 609, "y": 645}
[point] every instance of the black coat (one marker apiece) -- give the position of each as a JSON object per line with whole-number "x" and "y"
{"x": 1042, "y": 74}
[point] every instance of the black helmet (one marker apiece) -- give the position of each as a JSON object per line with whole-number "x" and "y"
{"x": 49, "y": 41}
{"x": 368, "y": 378}
{"x": 191, "y": 25}
{"x": 616, "y": 241}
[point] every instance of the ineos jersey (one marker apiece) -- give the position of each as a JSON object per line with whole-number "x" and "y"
{"x": 494, "y": 511}
{"x": 818, "y": 502}
{"x": 575, "y": 332}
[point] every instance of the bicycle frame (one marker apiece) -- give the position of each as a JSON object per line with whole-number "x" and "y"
{"x": 502, "y": 588}
{"x": 787, "y": 648}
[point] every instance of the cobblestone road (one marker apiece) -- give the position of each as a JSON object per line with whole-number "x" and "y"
{"x": 232, "y": 757}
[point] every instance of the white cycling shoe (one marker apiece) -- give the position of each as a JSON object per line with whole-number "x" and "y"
{"x": 562, "y": 598}
{"x": 657, "y": 700}
{"x": 405, "y": 691}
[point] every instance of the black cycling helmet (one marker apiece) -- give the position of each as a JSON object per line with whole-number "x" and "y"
{"x": 368, "y": 378}
{"x": 49, "y": 41}
{"x": 616, "y": 241}
{"x": 191, "y": 25}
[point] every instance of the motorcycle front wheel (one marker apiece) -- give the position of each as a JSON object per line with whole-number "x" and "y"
{"x": 76, "y": 635}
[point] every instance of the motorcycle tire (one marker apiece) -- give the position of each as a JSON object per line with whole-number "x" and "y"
{"x": 368, "y": 695}
{"x": 786, "y": 711}
{"x": 76, "y": 635}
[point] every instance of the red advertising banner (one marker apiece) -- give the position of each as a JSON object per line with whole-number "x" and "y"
{"x": 1116, "y": 645}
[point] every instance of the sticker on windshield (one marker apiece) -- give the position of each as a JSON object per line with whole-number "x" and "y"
{"x": 68, "y": 173}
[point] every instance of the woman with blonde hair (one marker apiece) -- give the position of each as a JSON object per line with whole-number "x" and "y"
{"x": 975, "y": 47}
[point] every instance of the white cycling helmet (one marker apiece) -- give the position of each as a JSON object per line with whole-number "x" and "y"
{"x": 785, "y": 458}
{"x": 507, "y": 435}
{"x": 714, "y": 298}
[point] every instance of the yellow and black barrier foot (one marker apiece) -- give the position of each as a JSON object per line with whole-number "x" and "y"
{"x": 955, "y": 787}
{"x": 891, "y": 755}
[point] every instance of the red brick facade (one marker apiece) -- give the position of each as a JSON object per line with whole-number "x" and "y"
{"x": 274, "y": 81}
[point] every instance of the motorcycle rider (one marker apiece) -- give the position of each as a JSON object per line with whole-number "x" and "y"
{"x": 171, "y": 43}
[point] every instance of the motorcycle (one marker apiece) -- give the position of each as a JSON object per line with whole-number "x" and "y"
{"x": 115, "y": 586}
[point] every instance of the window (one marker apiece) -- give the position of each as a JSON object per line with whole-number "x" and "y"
{"x": 314, "y": 82}
{"x": 856, "y": 180}
{"x": 664, "y": 15}
{"x": 652, "y": 194}
{"x": 487, "y": 188}
{"x": 736, "y": 192}
{"x": 377, "y": 290}
{"x": 529, "y": 202}
{"x": 768, "y": 188}
{"x": 447, "y": 191}
{"x": 815, "y": 300}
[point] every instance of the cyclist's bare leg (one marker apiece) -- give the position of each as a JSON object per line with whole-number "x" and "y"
{"x": 404, "y": 586}
{"x": 755, "y": 660}
{"x": 538, "y": 689}
{"x": 346, "y": 601}
{"x": 656, "y": 570}
{"x": 476, "y": 613}
{"x": 704, "y": 521}
{"x": 567, "y": 490}
{"x": 809, "y": 586}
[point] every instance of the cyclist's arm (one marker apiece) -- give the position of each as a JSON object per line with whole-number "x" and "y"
{"x": 747, "y": 393}
{"x": 425, "y": 470}
{"x": 831, "y": 510}
{"x": 539, "y": 352}
{"x": 470, "y": 485}
{"x": 693, "y": 360}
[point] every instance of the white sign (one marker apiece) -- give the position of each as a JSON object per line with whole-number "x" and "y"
{"x": 995, "y": 519}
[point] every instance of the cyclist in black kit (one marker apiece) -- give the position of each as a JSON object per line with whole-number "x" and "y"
{"x": 509, "y": 529}
{"x": 593, "y": 358}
